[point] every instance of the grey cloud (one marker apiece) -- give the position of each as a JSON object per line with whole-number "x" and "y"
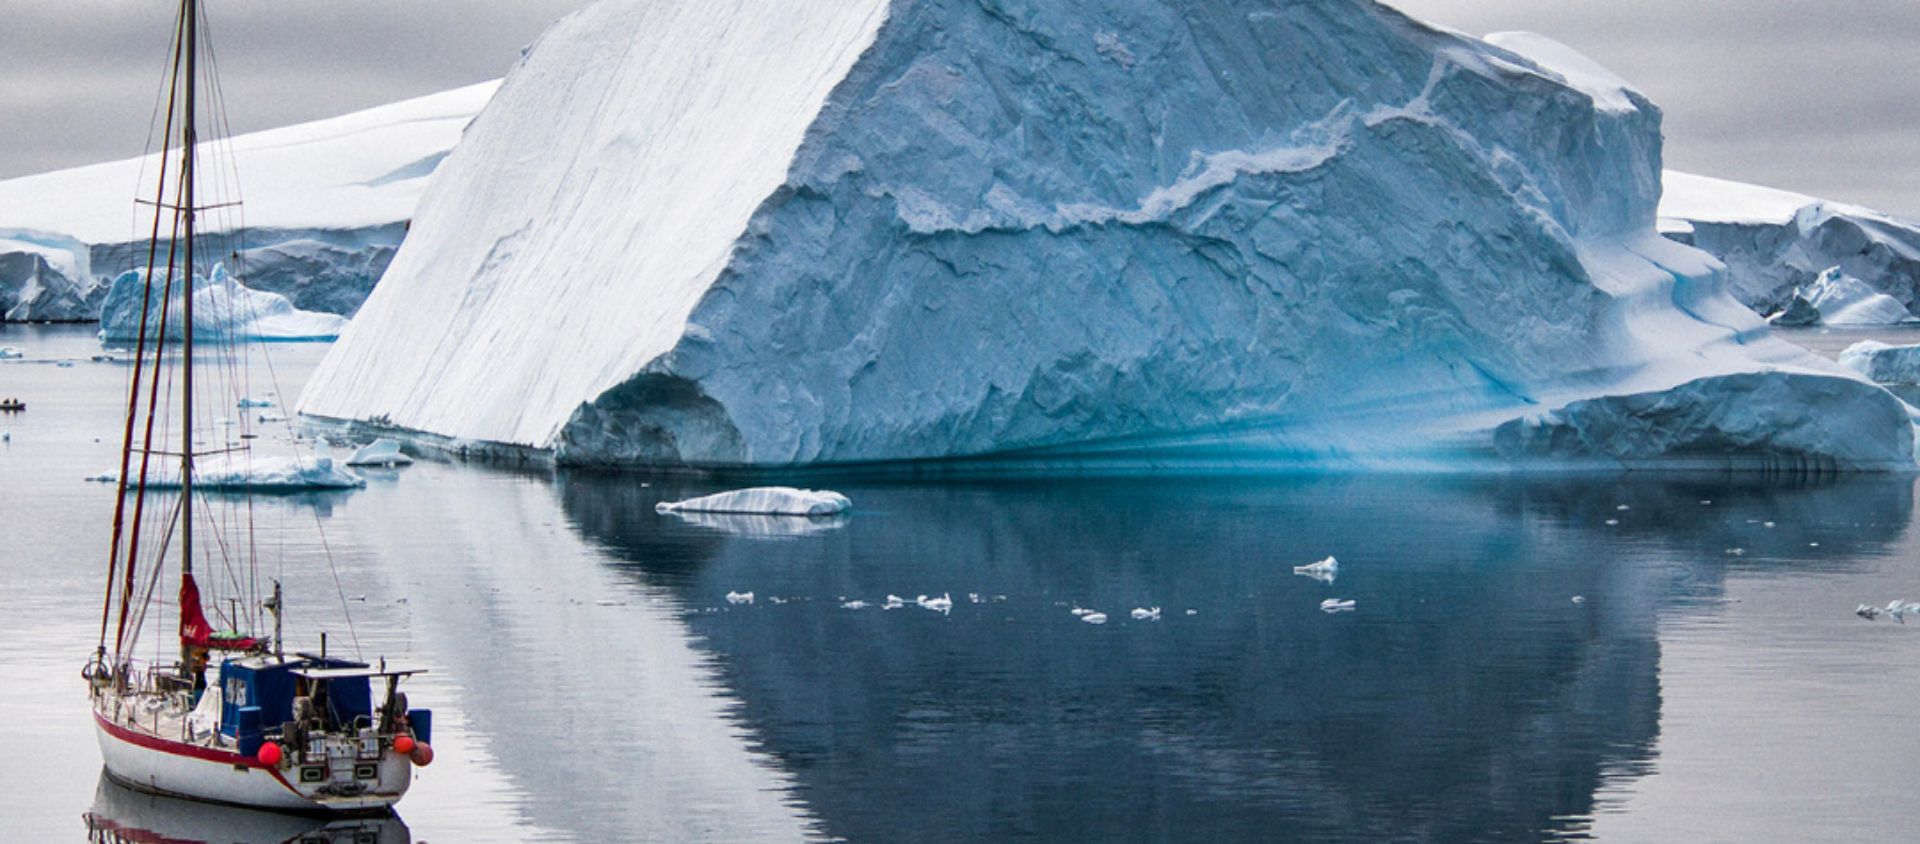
{"x": 1809, "y": 95}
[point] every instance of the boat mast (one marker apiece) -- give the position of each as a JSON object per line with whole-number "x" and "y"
{"x": 190, "y": 10}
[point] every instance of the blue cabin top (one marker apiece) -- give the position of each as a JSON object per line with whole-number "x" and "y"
{"x": 271, "y": 684}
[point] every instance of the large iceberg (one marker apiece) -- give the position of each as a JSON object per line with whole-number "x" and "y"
{"x": 712, "y": 233}
{"x": 326, "y": 204}
{"x": 223, "y": 309}
{"x": 1778, "y": 245}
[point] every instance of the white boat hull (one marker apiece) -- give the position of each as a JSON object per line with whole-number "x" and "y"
{"x": 141, "y": 760}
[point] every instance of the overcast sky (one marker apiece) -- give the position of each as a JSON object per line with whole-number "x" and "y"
{"x": 1818, "y": 96}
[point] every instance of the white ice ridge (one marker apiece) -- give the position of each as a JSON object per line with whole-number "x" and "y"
{"x": 223, "y": 309}
{"x": 707, "y": 233}
{"x": 1883, "y": 363}
{"x": 363, "y": 169}
{"x": 259, "y": 474}
{"x": 766, "y": 501}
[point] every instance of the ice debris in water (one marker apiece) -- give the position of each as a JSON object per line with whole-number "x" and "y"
{"x": 10, "y": 353}
{"x": 854, "y": 605}
{"x": 247, "y": 402}
{"x": 1612, "y": 522}
{"x": 1323, "y": 571}
{"x": 1579, "y": 599}
{"x": 1094, "y": 618}
{"x": 380, "y": 452}
{"x": 261, "y": 474}
{"x": 1081, "y": 612}
{"x": 1144, "y": 614}
{"x": 894, "y": 602}
{"x": 1623, "y": 508}
{"x": 1867, "y": 612}
{"x": 974, "y": 597}
{"x": 739, "y": 597}
{"x": 1333, "y": 605}
{"x": 942, "y": 604}
{"x": 769, "y": 501}
{"x": 1736, "y": 552}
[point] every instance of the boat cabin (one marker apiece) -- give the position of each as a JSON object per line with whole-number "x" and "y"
{"x": 266, "y": 694}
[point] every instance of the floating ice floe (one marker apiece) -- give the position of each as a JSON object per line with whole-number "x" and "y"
{"x": 1145, "y": 614}
{"x": 259, "y": 474}
{"x": 766, "y": 501}
{"x": 380, "y": 452}
{"x": 1323, "y": 571}
{"x": 1094, "y": 618}
{"x": 1867, "y": 612}
{"x": 1333, "y": 605}
{"x": 246, "y": 403}
{"x": 1579, "y": 599}
{"x": 854, "y": 605}
{"x": 10, "y": 353}
{"x": 894, "y": 602}
{"x": 942, "y": 604}
{"x": 739, "y": 598}
{"x": 1081, "y": 612}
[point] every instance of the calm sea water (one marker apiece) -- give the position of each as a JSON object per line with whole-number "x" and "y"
{"x": 592, "y": 683}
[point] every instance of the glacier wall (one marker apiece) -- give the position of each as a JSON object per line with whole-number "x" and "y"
{"x": 688, "y": 235}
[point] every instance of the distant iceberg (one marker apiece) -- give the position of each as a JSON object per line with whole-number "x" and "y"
{"x": 259, "y": 474}
{"x": 1776, "y": 243}
{"x": 223, "y": 310}
{"x": 765, "y": 501}
{"x": 1882, "y": 363}
{"x": 1834, "y": 298}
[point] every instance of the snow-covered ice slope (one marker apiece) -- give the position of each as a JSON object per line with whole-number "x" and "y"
{"x": 356, "y": 171}
{"x": 702, "y": 232}
{"x": 1777, "y": 244}
{"x": 326, "y": 204}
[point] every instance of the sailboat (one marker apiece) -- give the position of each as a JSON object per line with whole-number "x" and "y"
{"x": 298, "y": 732}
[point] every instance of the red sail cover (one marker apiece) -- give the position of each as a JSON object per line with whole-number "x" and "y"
{"x": 194, "y": 628}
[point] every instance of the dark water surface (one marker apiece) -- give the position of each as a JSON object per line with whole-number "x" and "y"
{"x": 592, "y": 683}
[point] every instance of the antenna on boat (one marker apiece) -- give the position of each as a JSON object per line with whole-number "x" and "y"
{"x": 272, "y": 605}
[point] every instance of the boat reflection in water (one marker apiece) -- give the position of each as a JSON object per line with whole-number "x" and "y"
{"x": 121, "y": 815}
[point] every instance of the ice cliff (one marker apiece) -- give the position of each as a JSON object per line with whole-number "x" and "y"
{"x": 1778, "y": 246}
{"x": 710, "y": 233}
{"x": 326, "y": 204}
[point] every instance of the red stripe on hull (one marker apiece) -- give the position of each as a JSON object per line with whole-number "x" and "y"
{"x": 191, "y": 751}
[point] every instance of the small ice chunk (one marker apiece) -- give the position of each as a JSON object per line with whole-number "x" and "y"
{"x": 1623, "y": 508}
{"x": 11, "y": 353}
{"x": 380, "y": 452}
{"x": 739, "y": 597}
{"x": 249, "y": 402}
{"x": 1579, "y": 599}
{"x": 894, "y": 602}
{"x": 1323, "y": 571}
{"x": 1094, "y": 618}
{"x": 1333, "y": 605}
{"x": 942, "y": 604}
{"x": 770, "y": 501}
{"x": 1867, "y": 612}
{"x": 1611, "y": 522}
{"x": 1144, "y": 614}
{"x": 1081, "y": 612}
{"x": 1736, "y": 552}
{"x": 1767, "y": 524}
{"x": 974, "y": 597}
{"x": 854, "y": 605}
{"x": 1193, "y": 612}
